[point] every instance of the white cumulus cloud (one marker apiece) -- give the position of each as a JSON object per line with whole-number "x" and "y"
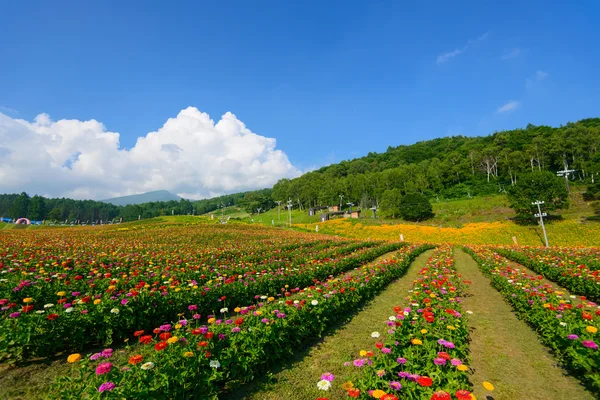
{"x": 442, "y": 58}
{"x": 511, "y": 105}
{"x": 190, "y": 155}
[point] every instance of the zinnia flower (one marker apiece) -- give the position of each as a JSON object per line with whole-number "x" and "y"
{"x": 103, "y": 368}
{"x": 590, "y": 344}
{"x": 488, "y": 386}
{"x": 425, "y": 381}
{"x": 441, "y": 395}
{"x": 136, "y": 359}
{"x": 323, "y": 384}
{"x": 106, "y": 387}
{"x": 395, "y": 385}
{"x": 147, "y": 366}
{"x": 74, "y": 358}
{"x": 328, "y": 376}
{"x": 214, "y": 364}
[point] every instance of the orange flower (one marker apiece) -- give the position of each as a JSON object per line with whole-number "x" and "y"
{"x": 133, "y": 360}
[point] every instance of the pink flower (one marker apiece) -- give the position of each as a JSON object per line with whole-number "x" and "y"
{"x": 103, "y": 368}
{"x": 328, "y": 376}
{"x": 106, "y": 387}
{"x": 590, "y": 344}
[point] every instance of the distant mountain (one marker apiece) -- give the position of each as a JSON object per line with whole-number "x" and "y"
{"x": 158, "y": 195}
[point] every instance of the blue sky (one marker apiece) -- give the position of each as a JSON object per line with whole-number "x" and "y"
{"x": 329, "y": 80}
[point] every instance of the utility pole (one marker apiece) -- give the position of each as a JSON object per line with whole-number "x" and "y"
{"x": 289, "y": 206}
{"x": 341, "y": 197}
{"x": 278, "y": 210}
{"x": 541, "y": 216}
{"x": 350, "y": 204}
{"x": 565, "y": 172}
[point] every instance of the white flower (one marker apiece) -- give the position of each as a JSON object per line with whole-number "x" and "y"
{"x": 573, "y": 297}
{"x": 48, "y": 305}
{"x": 215, "y": 364}
{"x": 469, "y": 312}
{"x": 324, "y": 385}
{"x": 263, "y": 297}
{"x": 296, "y": 301}
{"x": 115, "y": 310}
{"x": 563, "y": 324}
{"x": 405, "y": 313}
{"x": 375, "y": 335}
{"x": 40, "y": 311}
{"x": 392, "y": 318}
{"x": 224, "y": 310}
{"x": 147, "y": 366}
{"x": 314, "y": 302}
{"x": 70, "y": 309}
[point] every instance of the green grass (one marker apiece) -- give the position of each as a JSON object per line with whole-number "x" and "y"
{"x": 505, "y": 350}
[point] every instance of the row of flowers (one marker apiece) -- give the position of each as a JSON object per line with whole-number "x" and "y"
{"x": 423, "y": 350}
{"x": 186, "y": 356}
{"x": 578, "y": 270}
{"x": 565, "y": 323}
{"x": 79, "y": 319}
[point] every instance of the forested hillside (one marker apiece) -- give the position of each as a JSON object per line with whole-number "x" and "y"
{"x": 452, "y": 167}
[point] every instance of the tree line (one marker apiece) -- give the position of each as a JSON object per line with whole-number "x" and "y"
{"x": 451, "y": 167}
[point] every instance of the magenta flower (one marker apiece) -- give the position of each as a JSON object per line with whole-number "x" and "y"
{"x": 395, "y": 385}
{"x": 103, "y": 368}
{"x": 401, "y": 360}
{"x": 15, "y": 315}
{"x": 590, "y": 344}
{"x": 106, "y": 387}
{"x": 328, "y": 376}
{"x": 572, "y": 337}
{"x": 439, "y": 361}
{"x": 165, "y": 327}
{"x": 192, "y": 307}
{"x": 107, "y": 353}
{"x": 359, "y": 362}
{"x": 124, "y": 301}
{"x": 95, "y": 356}
{"x": 456, "y": 362}
{"x": 386, "y": 350}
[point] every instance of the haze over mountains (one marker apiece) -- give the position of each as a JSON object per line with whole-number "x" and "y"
{"x": 157, "y": 195}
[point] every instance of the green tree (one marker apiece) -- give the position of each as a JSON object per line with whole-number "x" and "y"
{"x": 539, "y": 185}
{"x": 20, "y": 206}
{"x": 415, "y": 207}
{"x": 36, "y": 210}
{"x": 54, "y": 214}
{"x": 390, "y": 202}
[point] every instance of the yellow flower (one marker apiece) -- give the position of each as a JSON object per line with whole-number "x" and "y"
{"x": 27, "y": 300}
{"x": 74, "y": 358}
{"x": 271, "y": 299}
{"x": 237, "y": 309}
{"x": 416, "y": 341}
{"x": 423, "y": 331}
{"x": 546, "y": 305}
{"x": 188, "y": 354}
{"x": 378, "y": 393}
{"x": 177, "y": 326}
{"x": 363, "y": 353}
{"x": 590, "y": 329}
{"x": 97, "y": 301}
{"x": 172, "y": 340}
{"x": 462, "y": 367}
{"x": 451, "y": 327}
{"x": 211, "y": 320}
{"x": 488, "y": 386}
{"x": 473, "y": 397}
{"x": 61, "y": 294}
{"x": 432, "y": 295}
{"x": 347, "y": 385}
{"x": 258, "y": 313}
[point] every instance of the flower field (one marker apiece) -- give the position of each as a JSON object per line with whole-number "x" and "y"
{"x": 70, "y": 292}
{"x": 422, "y": 351}
{"x": 568, "y": 328}
{"x": 576, "y": 269}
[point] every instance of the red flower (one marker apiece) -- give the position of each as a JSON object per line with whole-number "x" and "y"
{"x": 147, "y": 339}
{"x": 138, "y": 333}
{"x": 196, "y": 331}
{"x": 156, "y": 331}
{"x": 164, "y": 336}
{"x": 207, "y": 354}
{"x": 322, "y": 398}
{"x": 441, "y": 395}
{"x": 426, "y": 381}
{"x": 389, "y": 397}
{"x": 463, "y": 394}
{"x": 370, "y": 354}
{"x": 354, "y": 392}
{"x": 160, "y": 346}
{"x": 586, "y": 315}
{"x": 209, "y": 335}
{"x": 379, "y": 345}
{"x": 239, "y": 321}
{"x": 52, "y": 317}
{"x": 27, "y": 308}
{"x": 444, "y": 355}
{"x": 203, "y": 344}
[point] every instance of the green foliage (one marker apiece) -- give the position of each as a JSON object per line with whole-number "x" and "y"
{"x": 415, "y": 207}
{"x": 543, "y": 186}
{"x": 19, "y": 206}
{"x": 390, "y": 203}
{"x": 592, "y": 192}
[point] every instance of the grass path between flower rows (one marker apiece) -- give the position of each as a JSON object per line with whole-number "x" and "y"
{"x": 298, "y": 379}
{"x": 505, "y": 350}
